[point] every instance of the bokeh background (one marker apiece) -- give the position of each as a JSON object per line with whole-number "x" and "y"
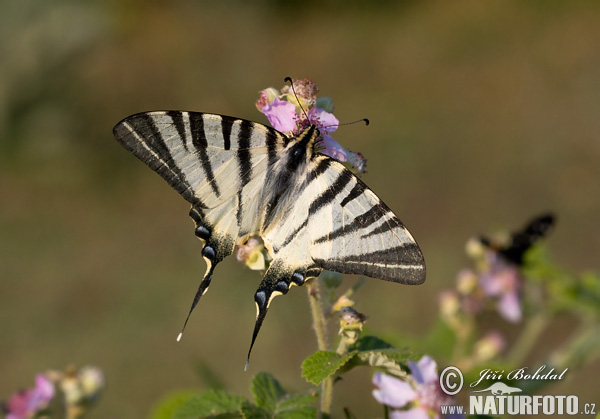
{"x": 483, "y": 114}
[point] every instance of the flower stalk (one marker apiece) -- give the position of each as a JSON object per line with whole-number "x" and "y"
{"x": 319, "y": 325}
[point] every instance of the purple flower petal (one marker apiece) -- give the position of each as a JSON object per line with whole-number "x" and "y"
{"x": 333, "y": 149}
{"x": 281, "y": 115}
{"x": 424, "y": 371}
{"x": 416, "y": 413}
{"x": 392, "y": 391}
{"x": 509, "y": 307}
{"x": 26, "y": 403}
{"x": 324, "y": 120}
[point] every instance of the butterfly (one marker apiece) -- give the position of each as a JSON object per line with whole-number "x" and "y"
{"x": 522, "y": 240}
{"x": 245, "y": 179}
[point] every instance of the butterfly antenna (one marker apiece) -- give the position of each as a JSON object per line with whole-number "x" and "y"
{"x": 365, "y": 120}
{"x": 291, "y": 82}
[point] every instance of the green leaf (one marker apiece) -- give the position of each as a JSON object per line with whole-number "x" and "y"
{"x": 322, "y": 364}
{"x": 394, "y": 362}
{"x": 296, "y": 401}
{"x": 266, "y": 391}
{"x": 210, "y": 404}
{"x": 167, "y": 406}
{"x": 250, "y": 411}
{"x": 366, "y": 343}
{"x": 305, "y": 412}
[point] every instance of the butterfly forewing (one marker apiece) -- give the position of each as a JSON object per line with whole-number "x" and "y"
{"x": 243, "y": 178}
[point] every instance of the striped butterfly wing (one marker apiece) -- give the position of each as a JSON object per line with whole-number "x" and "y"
{"x": 243, "y": 178}
{"x": 217, "y": 163}
{"x": 354, "y": 232}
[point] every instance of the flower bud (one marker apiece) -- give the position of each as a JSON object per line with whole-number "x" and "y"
{"x": 466, "y": 282}
{"x": 251, "y": 254}
{"x": 489, "y": 346}
{"x": 449, "y": 304}
{"x": 266, "y": 97}
{"x": 331, "y": 279}
{"x": 325, "y": 103}
{"x": 474, "y": 248}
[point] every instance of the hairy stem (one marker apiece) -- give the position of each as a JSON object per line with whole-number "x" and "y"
{"x": 314, "y": 298}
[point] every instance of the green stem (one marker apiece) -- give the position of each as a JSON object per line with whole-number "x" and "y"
{"x": 321, "y": 333}
{"x": 581, "y": 348}
{"x": 528, "y": 338}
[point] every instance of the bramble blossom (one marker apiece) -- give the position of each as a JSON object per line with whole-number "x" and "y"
{"x": 423, "y": 396}
{"x": 251, "y": 254}
{"x": 494, "y": 280}
{"x": 26, "y": 404}
{"x": 291, "y": 114}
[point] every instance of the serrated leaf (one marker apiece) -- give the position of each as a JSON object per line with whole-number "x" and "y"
{"x": 394, "y": 361}
{"x": 305, "y": 412}
{"x": 322, "y": 364}
{"x": 250, "y": 411}
{"x": 367, "y": 343}
{"x": 167, "y": 406}
{"x": 210, "y": 404}
{"x": 296, "y": 401}
{"x": 266, "y": 391}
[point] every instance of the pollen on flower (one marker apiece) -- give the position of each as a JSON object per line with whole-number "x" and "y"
{"x": 306, "y": 90}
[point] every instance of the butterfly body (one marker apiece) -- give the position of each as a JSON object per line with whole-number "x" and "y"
{"x": 245, "y": 179}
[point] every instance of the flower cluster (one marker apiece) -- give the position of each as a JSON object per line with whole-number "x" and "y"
{"x": 28, "y": 403}
{"x": 291, "y": 110}
{"x": 419, "y": 398}
{"x": 495, "y": 280}
{"x": 80, "y": 389}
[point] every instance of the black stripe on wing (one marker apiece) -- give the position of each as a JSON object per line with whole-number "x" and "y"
{"x": 374, "y": 242}
{"x": 140, "y": 135}
{"x": 372, "y": 215}
{"x": 244, "y": 163}
{"x": 200, "y": 144}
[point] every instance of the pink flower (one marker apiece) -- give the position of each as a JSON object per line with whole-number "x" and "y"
{"x": 423, "y": 397}
{"x": 502, "y": 281}
{"x": 27, "y": 403}
{"x": 281, "y": 114}
{"x": 291, "y": 115}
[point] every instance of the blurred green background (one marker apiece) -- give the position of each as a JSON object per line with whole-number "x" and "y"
{"x": 483, "y": 114}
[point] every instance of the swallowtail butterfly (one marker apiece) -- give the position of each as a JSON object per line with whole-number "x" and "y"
{"x": 522, "y": 240}
{"x": 244, "y": 179}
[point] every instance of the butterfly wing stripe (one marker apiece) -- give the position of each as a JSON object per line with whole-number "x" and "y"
{"x": 200, "y": 143}
{"x": 372, "y": 215}
{"x": 226, "y": 125}
{"x": 177, "y": 118}
{"x": 389, "y": 256}
{"x": 356, "y": 191}
{"x": 332, "y": 192}
{"x": 321, "y": 167}
{"x": 244, "y": 162}
{"x": 139, "y": 135}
